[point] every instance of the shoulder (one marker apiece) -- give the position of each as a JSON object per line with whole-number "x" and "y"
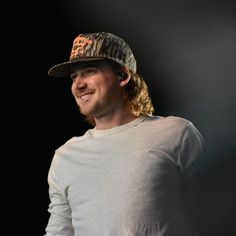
{"x": 175, "y": 129}
{"x": 172, "y": 123}
{"x": 175, "y": 120}
{"x": 183, "y": 126}
{"x": 76, "y": 139}
{"x": 65, "y": 152}
{"x": 177, "y": 136}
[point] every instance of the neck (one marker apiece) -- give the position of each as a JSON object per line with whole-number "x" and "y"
{"x": 111, "y": 121}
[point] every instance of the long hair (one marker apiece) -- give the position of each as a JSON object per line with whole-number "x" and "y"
{"x": 136, "y": 94}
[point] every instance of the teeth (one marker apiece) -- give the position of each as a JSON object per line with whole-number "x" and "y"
{"x": 85, "y": 97}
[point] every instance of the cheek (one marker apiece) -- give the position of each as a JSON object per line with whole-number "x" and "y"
{"x": 112, "y": 92}
{"x": 73, "y": 89}
{"x": 111, "y": 83}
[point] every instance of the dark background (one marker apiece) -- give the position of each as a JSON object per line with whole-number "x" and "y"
{"x": 185, "y": 50}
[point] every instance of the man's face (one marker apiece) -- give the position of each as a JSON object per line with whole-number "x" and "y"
{"x": 96, "y": 89}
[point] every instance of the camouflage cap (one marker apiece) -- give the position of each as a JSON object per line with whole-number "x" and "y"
{"x": 95, "y": 46}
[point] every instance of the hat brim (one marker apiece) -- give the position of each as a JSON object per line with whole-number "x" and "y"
{"x": 67, "y": 68}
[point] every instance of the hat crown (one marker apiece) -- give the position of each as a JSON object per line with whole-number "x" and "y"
{"x": 87, "y": 46}
{"x": 103, "y": 44}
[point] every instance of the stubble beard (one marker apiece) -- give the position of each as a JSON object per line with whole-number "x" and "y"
{"x": 92, "y": 111}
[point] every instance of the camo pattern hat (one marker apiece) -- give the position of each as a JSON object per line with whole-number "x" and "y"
{"x": 95, "y": 46}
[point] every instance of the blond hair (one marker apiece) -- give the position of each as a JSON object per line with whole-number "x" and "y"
{"x": 137, "y": 96}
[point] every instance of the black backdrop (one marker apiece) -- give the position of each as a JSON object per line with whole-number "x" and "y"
{"x": 186, "y": 52}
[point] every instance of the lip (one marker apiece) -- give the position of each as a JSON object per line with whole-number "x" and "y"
{"x": 84, "y": 97}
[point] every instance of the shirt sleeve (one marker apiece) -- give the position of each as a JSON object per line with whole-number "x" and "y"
{"x": 60, "y": 220}
{"x": 191, "y": 146}
{"x": 192, "y": 150}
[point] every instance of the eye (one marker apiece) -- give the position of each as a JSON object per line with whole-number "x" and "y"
{"x": 83, "y": 73}
{"x": 89, "y": 71}
{"x": 73, "y": 77}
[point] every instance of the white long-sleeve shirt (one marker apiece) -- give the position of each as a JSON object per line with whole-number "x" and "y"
{"x": 124, "y": 181}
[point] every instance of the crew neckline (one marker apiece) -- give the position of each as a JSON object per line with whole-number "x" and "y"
{"x": 101, "y": 132}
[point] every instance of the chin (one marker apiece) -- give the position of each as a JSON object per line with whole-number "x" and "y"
{"x": 87, "y": 113}
{"x": 92, "y": 112}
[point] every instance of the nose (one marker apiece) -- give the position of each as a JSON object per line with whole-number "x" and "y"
{"x": 78, "y": 83}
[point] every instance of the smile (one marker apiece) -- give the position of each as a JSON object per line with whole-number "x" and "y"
{"x": 86, "y": 97}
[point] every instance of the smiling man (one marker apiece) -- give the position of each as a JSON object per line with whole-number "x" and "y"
{"x": 97, "y": 89}
{"x": 127, "y": 175}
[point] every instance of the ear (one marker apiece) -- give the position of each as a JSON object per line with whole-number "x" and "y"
{"x": 124, "y": 77}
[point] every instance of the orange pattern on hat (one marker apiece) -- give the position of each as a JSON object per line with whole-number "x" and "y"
{"x": 78, "y": 46}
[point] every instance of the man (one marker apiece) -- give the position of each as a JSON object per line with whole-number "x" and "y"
{"x": 125, "y": 176}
